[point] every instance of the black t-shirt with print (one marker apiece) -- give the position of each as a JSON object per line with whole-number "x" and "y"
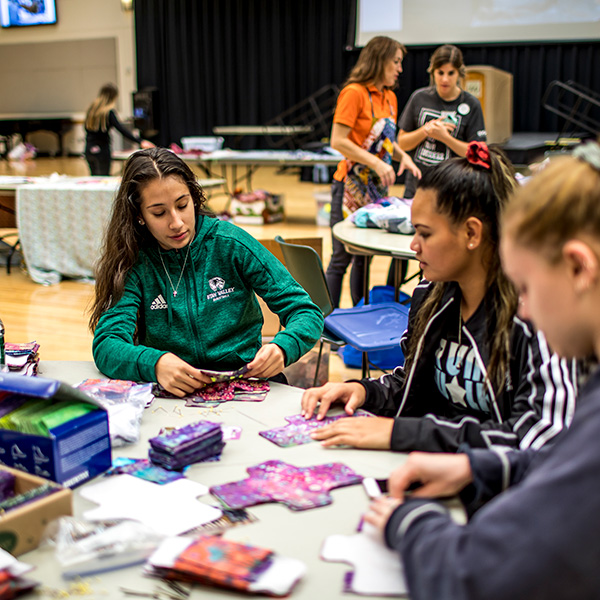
{"x": 425, "y": 105}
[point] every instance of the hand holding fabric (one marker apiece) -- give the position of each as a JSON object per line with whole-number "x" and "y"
{"x": 178, "y": 377}
{"x": 269, "y": 361}
{"x": 352, "y": 395}
{"x": 359, "y": 432}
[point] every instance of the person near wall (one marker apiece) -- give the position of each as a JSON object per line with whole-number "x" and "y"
{"x": 100, "y": 118}
{"x": 364, "y": 131}
{"x": 176, "y": 288}
{"x": 475, "y": 372}
{"x": 540, "y": 538}
{"x": 439, "y": 121}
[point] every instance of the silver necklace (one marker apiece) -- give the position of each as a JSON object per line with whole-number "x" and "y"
{"x": 173, "y": 287}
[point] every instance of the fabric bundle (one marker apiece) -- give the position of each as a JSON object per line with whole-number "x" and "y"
{"x": 216, "y": 561}
{"x": 22, "y": 358}
{"x": 190, "y": 444}
{"x": 391, "y": 214}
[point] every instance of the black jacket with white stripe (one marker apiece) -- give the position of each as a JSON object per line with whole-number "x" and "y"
{"x": 539, "y": 539}
{"x": 535, "y": 403}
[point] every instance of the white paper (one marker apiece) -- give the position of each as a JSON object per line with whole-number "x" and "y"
{"x": 168, "y": 509}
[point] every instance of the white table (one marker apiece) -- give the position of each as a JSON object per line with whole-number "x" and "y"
{"x": 297, "y": 534}
{"x": 254, "y": 159}
{"x": 61, "y": 223}
{"x": 370, "y": 242}
{"x": 241, "y": 130}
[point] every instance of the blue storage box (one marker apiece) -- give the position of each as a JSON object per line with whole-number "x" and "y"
{"x": 75, "y": 451}
{"x": 384, "y": 359}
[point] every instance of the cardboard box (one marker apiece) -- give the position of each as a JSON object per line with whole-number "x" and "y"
{"x": 75, "y": 451}
{"x": 21, "y": 528}
{"x": 261, "y": 211}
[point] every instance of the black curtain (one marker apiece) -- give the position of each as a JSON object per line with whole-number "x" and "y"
{"x": 533, "y": 67}
{"x": 242, "y": 62}
{"x": 236, "y": 62}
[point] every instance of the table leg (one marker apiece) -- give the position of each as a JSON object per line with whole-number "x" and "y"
{"x": 367, "y": 278}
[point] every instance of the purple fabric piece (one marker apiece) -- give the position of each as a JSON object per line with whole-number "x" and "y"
{"x": 299, "y": 488}
{"x": 298, "y": 430}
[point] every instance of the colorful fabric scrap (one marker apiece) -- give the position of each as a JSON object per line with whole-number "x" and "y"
{"x": 299, "y": 488}
{"x": 144, "y": 469}
{"x": 240, "y": 390}
{"x": 223, "y": 562}
{"x": 298, "y": 429}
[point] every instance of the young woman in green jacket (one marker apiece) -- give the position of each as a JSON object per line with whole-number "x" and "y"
{"x": 176, "y": 288}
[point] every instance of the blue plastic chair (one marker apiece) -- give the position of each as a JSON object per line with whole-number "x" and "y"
{"x": 366, "y": 328}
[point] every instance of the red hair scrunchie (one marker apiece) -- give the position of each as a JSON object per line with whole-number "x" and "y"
{"x": 479, "y": 154}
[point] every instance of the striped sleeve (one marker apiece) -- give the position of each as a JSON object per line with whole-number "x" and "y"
{"x": 545, "y": 394}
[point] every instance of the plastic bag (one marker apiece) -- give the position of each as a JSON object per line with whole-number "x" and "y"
{"x": 83, "y": 548}
{"x": 125, "y": 402}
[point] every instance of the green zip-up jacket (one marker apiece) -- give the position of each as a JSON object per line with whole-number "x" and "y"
{"x": 215, "y": 320}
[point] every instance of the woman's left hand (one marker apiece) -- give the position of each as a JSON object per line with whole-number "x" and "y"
{"x": 380, "y": 511}
{"x": 359, "y": 432}
{"x": 269, "y": 361}
{"x": 407, "y": 164}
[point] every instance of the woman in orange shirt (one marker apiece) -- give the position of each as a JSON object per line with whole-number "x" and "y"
{"x": 364, "y": 131}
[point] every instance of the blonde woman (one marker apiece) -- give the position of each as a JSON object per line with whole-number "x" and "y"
{"x": 540, "y": 538}
{"x": 99, "y": 120}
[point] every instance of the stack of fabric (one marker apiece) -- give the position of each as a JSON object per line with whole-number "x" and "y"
{"x": 190, "y": 444}
{"x": 22, "y": 358}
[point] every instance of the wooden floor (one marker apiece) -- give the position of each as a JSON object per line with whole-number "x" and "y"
{"x": 56, "y": 316}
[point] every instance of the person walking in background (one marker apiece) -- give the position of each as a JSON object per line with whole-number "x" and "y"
{"x": 364, "y": 131}
{"x": 99, "y": 120}
{"x": 439, "y": 121}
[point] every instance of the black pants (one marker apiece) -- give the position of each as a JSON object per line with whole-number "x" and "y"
{"x": 340, "y": 259}
{"x": 98, "y": 159}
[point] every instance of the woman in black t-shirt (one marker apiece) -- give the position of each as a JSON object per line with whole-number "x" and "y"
{"x": 439, "y": 121}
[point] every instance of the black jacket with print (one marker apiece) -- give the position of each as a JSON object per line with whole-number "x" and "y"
{"x": 535, "y": 403}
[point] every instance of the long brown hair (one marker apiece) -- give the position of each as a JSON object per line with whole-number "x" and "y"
{"x": 124, "y": 235}
{"x": 96, "y": 118}
{"x": 370, "y": 66}
{"x": 466, "y": 190}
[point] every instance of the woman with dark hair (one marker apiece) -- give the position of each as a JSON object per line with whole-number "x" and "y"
{"x": 364, "y": 131}
{"x": 474, "y": 372}
{"x": 176, "y": 288}
{"x": 439, "y": 121}
{"x": 99, "y": 120}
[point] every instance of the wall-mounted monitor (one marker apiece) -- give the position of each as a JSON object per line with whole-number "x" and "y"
{"x": 22, "y": 13}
